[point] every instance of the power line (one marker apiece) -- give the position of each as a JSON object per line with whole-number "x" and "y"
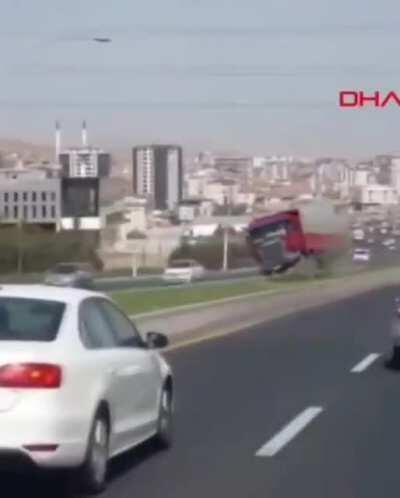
{"x": 204, "y": 71}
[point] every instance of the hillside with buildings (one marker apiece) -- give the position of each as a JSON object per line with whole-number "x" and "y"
{"x": 155, "y": 197}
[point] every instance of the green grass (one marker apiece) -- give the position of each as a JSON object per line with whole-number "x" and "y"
{"x": 151, "y": 300}
{"x": 147, "y": 300}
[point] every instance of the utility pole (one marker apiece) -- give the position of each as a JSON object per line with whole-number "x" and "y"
{"x": 226, "y": 248}
{"x": 135, "y": 256}
{"x": 134, "y": 265}
{"x": 20, "y": 248}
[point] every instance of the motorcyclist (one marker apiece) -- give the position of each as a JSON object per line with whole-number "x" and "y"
{"x": 395, "y": 335}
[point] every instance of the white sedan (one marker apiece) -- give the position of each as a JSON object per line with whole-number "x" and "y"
{"x": 183, "y": 271}
{"x": 78, "y": 384}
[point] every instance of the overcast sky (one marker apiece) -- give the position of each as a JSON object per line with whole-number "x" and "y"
{"x": 260, "y": 76}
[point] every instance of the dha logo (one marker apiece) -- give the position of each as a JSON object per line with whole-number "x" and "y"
{"x": 359, "y": 99}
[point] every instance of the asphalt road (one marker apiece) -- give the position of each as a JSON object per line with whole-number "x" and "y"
{"x": 257, "y": 390}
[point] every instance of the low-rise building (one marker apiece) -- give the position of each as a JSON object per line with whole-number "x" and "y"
{"x": 246, "y": 198}
{"x": 209, "y": 226}
{"x": 196, "y": 185}
{"x": 123, "y": 218}
{"x": 30, "y": 196}
{"x": 394, "y": 176}
{"x": 222, "y": 193}
{"x": 375, "y": 194}
{"x": 190, "y": 209}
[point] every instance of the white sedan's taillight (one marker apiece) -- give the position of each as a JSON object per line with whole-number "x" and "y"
{"x": 30, "y": 376}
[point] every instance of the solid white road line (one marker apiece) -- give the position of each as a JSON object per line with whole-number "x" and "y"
{"x": 365, "y": 363}
{"x": 289, "y": 432}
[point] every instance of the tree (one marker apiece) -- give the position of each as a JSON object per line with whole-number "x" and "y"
{"x": 31, "y": 248}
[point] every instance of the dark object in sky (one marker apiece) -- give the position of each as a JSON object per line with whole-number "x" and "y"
{"x": 102, "y": 40}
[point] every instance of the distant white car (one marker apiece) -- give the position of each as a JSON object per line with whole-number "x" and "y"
{"x": 79, "y": 385}
{"x": 361, "y": 255}
{"x": 389, "y": 242}
{"x": 183, "y": 271}
{"x": 358, "y": 234}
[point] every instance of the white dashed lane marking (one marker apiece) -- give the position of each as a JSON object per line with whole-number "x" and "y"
{"x": 365, "y": 363}
{"x": 289, "y": 432}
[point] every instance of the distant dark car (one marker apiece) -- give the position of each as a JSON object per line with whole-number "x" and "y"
{"x": 79, "y": 275}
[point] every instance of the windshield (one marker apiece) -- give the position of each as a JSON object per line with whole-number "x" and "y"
{"x": 29, "y": 319}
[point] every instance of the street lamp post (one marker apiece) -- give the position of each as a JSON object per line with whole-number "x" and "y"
{"x": 135, "y": 252}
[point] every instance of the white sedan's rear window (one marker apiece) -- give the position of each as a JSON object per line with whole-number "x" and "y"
{"x": 23, "y": 319}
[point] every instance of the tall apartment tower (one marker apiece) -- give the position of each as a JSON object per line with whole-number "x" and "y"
{"x": 158, "y": 174}
{"x": 82, "y": 169}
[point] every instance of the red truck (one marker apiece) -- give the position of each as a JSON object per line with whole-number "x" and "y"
{"x": 280, "y": 240}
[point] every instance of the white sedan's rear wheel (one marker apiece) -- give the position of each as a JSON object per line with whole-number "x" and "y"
{"x": 93, "y": 474}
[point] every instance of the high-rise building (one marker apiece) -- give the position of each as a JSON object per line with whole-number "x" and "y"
{"x": 85, "y": 163}
{"x": 158, "y": 175}
{"x": 80, "y": 208}
{"x": 82, "y": 169}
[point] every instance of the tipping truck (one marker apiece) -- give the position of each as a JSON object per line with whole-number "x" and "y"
{"x": 280, "y": 240}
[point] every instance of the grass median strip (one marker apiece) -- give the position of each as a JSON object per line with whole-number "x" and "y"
{"x": 148, "y": 301}
{"x": 137, "y": 301}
